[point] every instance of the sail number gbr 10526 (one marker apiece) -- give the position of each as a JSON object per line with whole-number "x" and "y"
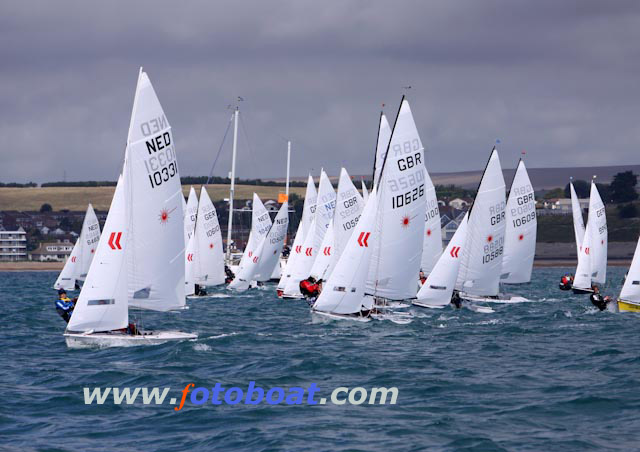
{"x": 161, "y": 162}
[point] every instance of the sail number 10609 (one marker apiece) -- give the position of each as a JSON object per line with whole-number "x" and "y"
{"x": 403, "y": 199}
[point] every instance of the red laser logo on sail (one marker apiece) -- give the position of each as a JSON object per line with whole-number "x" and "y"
{"x": 114, "y": 240}
{"x": 362, "y": 239}
{"x": 405, "y": 222}
{"x": 163, "y": 216}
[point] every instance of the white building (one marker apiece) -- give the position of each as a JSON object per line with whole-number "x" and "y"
{"x": 13, "y": 245}
{"x": 52, "y": 251}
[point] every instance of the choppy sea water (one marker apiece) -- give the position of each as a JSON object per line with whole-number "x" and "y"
{"x": 549, "y": 375}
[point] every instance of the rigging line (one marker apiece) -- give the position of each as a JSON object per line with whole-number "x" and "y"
{"x": 224, "y": 138}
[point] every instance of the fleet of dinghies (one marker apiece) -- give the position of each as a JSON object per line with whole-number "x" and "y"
{"x": 366, "y": 248}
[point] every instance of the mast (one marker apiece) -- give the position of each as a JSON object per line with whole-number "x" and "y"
{"x": 288, "y": 167}
{"x": 233, "y": 179}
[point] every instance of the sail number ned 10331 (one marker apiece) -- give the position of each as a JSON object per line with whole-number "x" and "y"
{"x": 161, "y": 163}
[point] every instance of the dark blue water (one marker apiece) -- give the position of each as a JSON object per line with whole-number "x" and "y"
{"x": 551, "y": 375}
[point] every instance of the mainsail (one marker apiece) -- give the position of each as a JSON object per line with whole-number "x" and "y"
{"x": 481, "y": 262}
{"x": 399, "y": 228}
{"x": 190, "y": 209}
{"x": 308, "y": 211}
{"x": 155, "y": 250}
{"x": 77, "y": 265}
{"x": 204, "y": 255}
{"x": 384, "y": 135}
{"x": 521, "y": 226}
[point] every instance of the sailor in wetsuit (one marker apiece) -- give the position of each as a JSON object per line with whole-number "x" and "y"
{"x": 598, "y": 300}
{"x": 199, "y": 290}
{"x": 310, "y": 288}
{"x": 456, "y": 301}
{"x": 422, "y": 277}
{"x": 229, "y": 275}
{"x": 64, "y": 305}
{"x": 566, "y": 282}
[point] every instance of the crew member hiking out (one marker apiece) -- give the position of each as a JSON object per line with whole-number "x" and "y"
{"x": 598, "y": 300}
{"x": 310, "y": 288}
{"x": 64, "y": 305}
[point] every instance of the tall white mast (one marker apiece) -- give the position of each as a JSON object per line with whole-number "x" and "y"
{"x": 233, "y": 180}
{"x": 288, "y": 167}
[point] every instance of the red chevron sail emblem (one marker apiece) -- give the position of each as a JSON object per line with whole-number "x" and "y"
{"x": 114, "y": 240}
{"x": 586, "y": 250}
{"x": 362, "y": 239}
{"x": 309, "y": 251}
{"x": 299, "y": 249}
{"x": 190, "y": 257}
{"x": 250, "y": 253}
{"x": 326, "y": 251}
{"x": 454, "y": 251}
{"x": 73, "y": 259}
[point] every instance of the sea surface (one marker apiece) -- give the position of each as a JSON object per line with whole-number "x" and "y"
{"x": 549, "y": 375}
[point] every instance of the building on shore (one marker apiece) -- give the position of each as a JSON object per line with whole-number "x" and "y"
{"x": 52, "y": 251}
{"x": 13, "y": 245}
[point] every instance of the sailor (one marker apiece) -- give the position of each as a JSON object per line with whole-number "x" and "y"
{"x": 566, "y": 282}
{"x": 422, "y": 277}
{"x": 200, "y": 291}
{"x": 310, "y": 288}
{"x": 456, "y": 301}
{"x": 229, "y": 275}
{"x": 598, "y": 300}
{"x": 64, "y": 305}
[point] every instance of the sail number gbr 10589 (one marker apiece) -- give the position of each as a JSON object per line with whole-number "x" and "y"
{"x": 161, "y": 161}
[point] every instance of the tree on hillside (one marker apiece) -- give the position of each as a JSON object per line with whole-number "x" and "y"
{"x": 582, "y": 189}
{"x": 627, "y": 211}
{"x": 46, "y": 207}
{"x": 555, "y": 193}
{"x": 623, "y": 187}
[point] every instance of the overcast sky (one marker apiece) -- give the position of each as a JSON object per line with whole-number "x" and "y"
{"x": 559, "y": 79}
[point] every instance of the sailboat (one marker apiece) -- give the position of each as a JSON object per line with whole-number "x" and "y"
{"x": 325, "y": 204}
{"x": 629, "y": 299}
{"x": 343, "y": 293}
{"x": 521, "y": 227}
{"x": 592, "y": 256}
{"x": 140, "y": 259}
{"x": 78, "y": 262}
{"x": 481, "y": 263}
{"x": 308, "y": 210}
{"x": 437, "y": 290}
{"x": 190, "y": 211}
{"x": 204, "y": 253}
{"x": 399, "y": 227}
{"x": 260, "y": 225}
{"x": 349, "y": 206}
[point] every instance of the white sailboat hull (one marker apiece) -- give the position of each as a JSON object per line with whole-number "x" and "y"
{"x": 352, "y": 317}
{"x": 115, "y": 339}
{"x": 500, "y": 298}
{"x": 427, "y": 305}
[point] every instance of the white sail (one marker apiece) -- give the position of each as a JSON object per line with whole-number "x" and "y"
{"x": 325, "y": 261}
{"x": 77, "y": 265}
{"x": 155, "y": 251}
{"x": 204, "y": 255}
{"x": 272, "y": 247}
{"x": 582, "y": 278}
{"x": 308, "y": 210}
{"x": 343, "y": 292}
{"x": 481, "y": 263}
{"x": 631, "y": 288}
{"x": 578, "y": 222}
{"x": 432, "y": 245}
{"x": 260, "y": 225}
{"x": 349, "y": 206}
{"x": 521, "y": 227}
{"x": 365, "y": 192}
{"x": 399, "y": 230}
{"x": 102, "y": 304}
{"x": 384, "y": 135}
{"x": 190, "y": 210}
{"x": 438, "y": 288}
{"x": 599, "y": 237}
{"x": 325, "y": 206}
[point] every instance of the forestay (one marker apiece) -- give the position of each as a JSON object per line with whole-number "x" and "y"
{"x": 481, "y": 263}
{"x": 520, "y": 234}
{"x": 343, "y": 292}
{"x": 308, "y": 210}
{"x": 102, "y": 304}
{"x": 438, "y": 288}
{"x": 77, "y": 265}
{"x": 153, "y": 195}
{"x": 399, "y": 228}
{"x": 205, "y": 256}
{"x": 325, "y": 205}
